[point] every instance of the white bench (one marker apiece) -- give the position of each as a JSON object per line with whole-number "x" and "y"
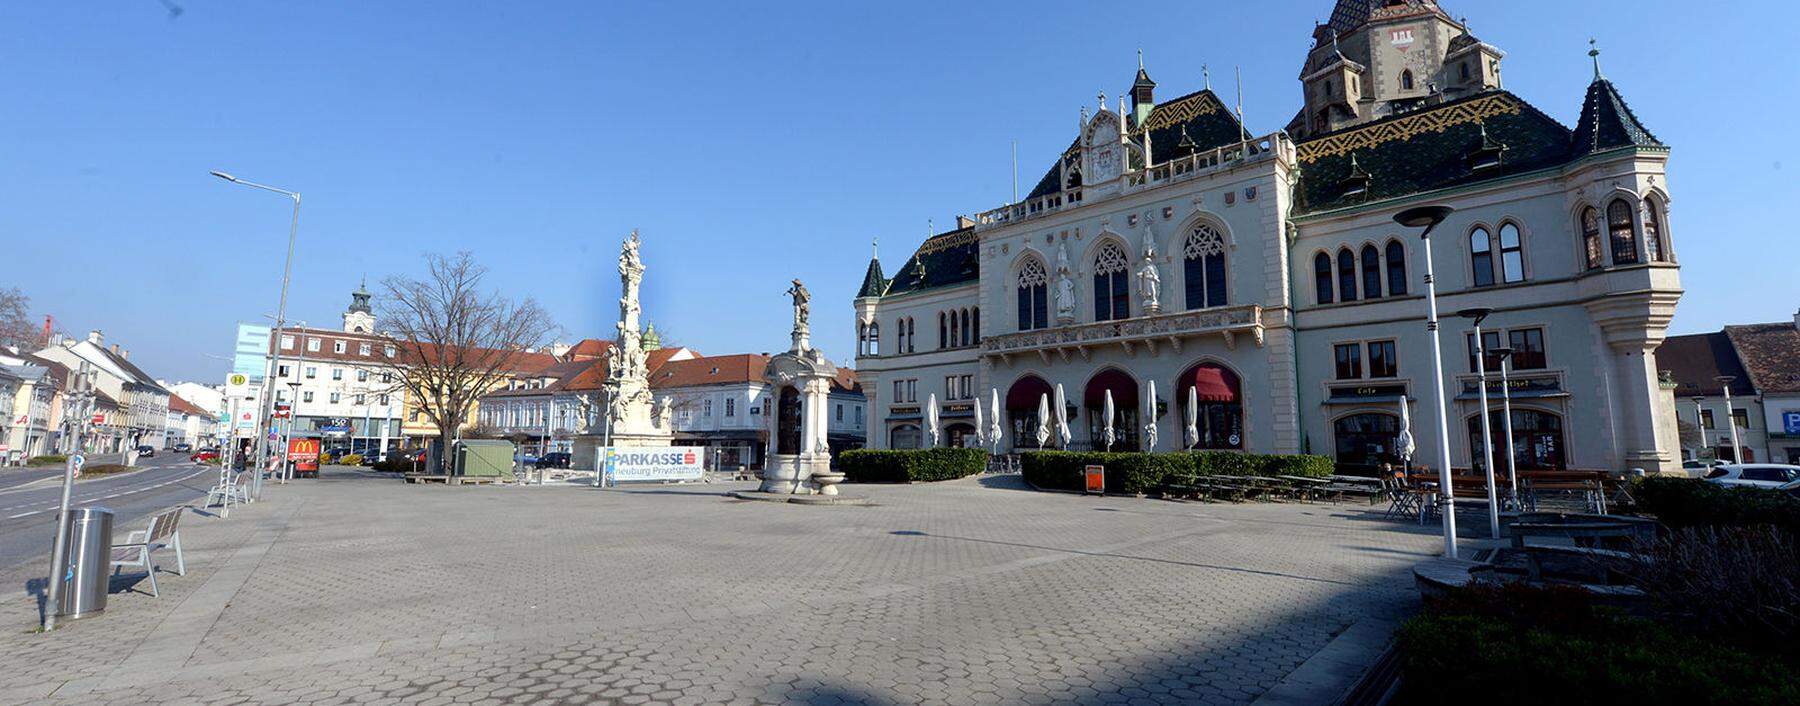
{"x": 231, "y": 489}
{"x": 164, "y": 531}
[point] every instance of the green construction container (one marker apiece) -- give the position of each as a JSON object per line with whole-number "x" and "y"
{"x": 482, "y": 458}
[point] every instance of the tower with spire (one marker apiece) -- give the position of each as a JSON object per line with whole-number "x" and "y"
{"x": 1377, "y": 58}
{"x": 359, "y": 317}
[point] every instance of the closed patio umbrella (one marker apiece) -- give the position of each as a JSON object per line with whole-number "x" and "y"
{"x": 1193, "y": 417}
{"x": 1107, "y": 432}
{"x": 994, "y": 429}
{"x": 1150, "y": 416}
{"x": 980, "y": 428}
{"x": 1043, "y": 431}
{"x": 1404, "y": 445}
{"x": 931, "y": 418}
{"x": 1062, "y": 418}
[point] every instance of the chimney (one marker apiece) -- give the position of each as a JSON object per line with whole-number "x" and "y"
{"x": 114, "y": 348}
{"x": 964, "y": 222}
{"x": 1797, "y": 319}
{"x": 95, "y": 337}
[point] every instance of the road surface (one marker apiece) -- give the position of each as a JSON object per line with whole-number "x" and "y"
{"x": 28, "y": 501}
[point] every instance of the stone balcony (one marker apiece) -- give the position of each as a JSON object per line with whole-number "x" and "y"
{"x": 1143, "y": 333}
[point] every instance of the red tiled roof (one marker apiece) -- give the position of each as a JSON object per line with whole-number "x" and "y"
{"x": 1771, "y": 355}
{"x": 177, "y": 404}
{"x": 713, "y": 370}
{"x": 846, "y": 381}
{"x": 588, "y": 349}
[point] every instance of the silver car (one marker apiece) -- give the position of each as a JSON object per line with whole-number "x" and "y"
{"x": 1757, "y": 475}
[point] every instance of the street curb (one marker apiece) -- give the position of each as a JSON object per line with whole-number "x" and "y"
{"x": 1331, "y": 673}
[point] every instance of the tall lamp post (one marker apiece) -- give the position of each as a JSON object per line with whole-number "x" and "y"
{"x": 1512, "y": 471}
{"x": 78, "y": 410}
{"x": 1737, "y": 450}
{"x": 1479, "y": 314}
{"x": 287, "y": 270}
{"x": 1428, "y": 218}
{"x": 1700, "y": 425}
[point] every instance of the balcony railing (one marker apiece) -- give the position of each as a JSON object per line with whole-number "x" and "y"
{"x": 1133, "y": 181}
{"x": 1143, "y": 332}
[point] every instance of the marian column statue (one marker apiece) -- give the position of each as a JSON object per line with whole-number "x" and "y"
{"x": 802, "y": 314}
{"x": 627, "y": 377}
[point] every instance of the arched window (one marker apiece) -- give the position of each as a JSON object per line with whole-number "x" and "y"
{"x": 1203, "y": 267}
{"x": 1590, "y": 237}
{"x": 1322, "y": 277}
{"x": 975, "y": 325}
{"x": 1219, "y": 418}
{"x": 1481, "y": 257}
{"x": 1112, "y": 283}
{"x": 1034, "y": 296}
{"x": 1371, "y": 272}
{"x": 1406, "y": 80}
{"x": 1396, "y": 268}
{"x": 1346, "y": 276}
{"x": 943, "y": 339}
{"x": 968, "y": 333}
{"x": 1512, "y": 254}
{"x": 874, "y": 338}
{"x": 1653, "y": 244}
{"x": 1464, "y": 68}
{"x": 1622, "y": 232}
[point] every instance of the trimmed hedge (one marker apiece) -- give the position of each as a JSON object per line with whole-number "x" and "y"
{"x": 913, "y": 465}
{"x": 1139, "y": 473}
{"x": 46, "y": 460}
{"x": 1552, "y": 645}
{"x": 1688, "y": 502}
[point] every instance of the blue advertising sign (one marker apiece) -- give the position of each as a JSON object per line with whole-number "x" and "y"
{"x": 1790, "y": 422}
{"x": 250, "y": 352}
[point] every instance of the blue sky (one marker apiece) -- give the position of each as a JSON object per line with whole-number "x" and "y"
{"x": 750, "y": 142}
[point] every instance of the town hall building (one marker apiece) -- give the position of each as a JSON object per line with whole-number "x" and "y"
{"x": 1264, "y": 277}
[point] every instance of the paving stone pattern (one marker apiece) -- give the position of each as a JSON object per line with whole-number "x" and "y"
{"x": 359, "y": 589}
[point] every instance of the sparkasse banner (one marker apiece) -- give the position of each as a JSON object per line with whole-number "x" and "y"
{"x": 627, "y": 463}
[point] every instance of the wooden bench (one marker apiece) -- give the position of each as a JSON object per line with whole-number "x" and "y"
{"x": 140, "y": 545}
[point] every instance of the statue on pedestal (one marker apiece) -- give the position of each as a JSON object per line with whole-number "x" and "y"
{"x": 1149, "y": 278}
{"x": 1065, "y": 286}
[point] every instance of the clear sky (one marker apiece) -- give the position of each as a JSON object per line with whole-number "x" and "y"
{"x": 750, "y": 142}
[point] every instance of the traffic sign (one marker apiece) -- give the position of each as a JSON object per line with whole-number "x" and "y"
{"x": 79, "y": 461}
{"x": 99, "y": 418}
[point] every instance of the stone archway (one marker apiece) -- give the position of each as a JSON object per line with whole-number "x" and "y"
{"x": 1126, "y": 413}
{"x": 1022, "y": 409}
{"x": 788, "y": 419}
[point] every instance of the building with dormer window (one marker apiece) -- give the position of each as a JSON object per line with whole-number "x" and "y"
{"x": 1262, "y": 275}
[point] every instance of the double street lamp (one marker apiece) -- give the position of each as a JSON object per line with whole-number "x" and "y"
{"x": 1428, "y": 217}
{"x": 287, "y": 268}
{"x": 1478, "y": 315}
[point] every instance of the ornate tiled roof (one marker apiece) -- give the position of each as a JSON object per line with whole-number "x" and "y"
{"x": 1608, "y": 123}
{"x": 1428, "y": 149}
{"x": 873, "y": 282}
{"x": 1204, "y": 118}
{"x": 1348, "y": 15}
{"x": 943, "y": 260}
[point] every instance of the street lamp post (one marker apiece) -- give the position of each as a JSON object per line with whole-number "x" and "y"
{"x": 1512, "y": 471}
{"x": 1737, "y": 450}
{"x": 287, "y": 269}
{"x": 1478, "y": 314}
{"x": 1428, "y": 217}
{"x": 1700, "y": 425}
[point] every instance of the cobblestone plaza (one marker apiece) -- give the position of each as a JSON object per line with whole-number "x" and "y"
{"x": 360, "y": 589}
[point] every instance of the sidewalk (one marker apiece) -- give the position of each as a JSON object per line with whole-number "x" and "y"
{"x": 354, "y": 587}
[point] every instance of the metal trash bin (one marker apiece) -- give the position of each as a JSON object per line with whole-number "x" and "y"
{"x": 89, "y": 562}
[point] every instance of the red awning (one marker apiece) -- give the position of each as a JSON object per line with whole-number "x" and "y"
{"x": 1025, "y": 393}
{"x": 1124, "y": 390}
{"x": 1213, "y": 384}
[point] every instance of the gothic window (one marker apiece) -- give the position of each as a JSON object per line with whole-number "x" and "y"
{"x": 1653, "y": 244}
{"x": 1112, "y": 283}
{"x": 1406, "y": 80}
{"x": 1322, "y": 277}
{"x": 1465, "y": 70}
{"x": 1034, "y": 296}
{"x": 943, "y": 340}
{"x": 1346, "y": 275}
{"x": 1396, "y": 268}
{"x": 1590, "y": 236}
{"x": 967, "y": 337}
{"x": 1371, "y": 272}
{"x": 1203, "y": 268}
{"x": 1481, "y": 257}
{"x": 1622, "y": 232}
{"x": 1512, "y": 254}
{"x": 975, "y": 325}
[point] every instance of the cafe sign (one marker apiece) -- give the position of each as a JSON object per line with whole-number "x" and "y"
{"x": 1519, "y": 386}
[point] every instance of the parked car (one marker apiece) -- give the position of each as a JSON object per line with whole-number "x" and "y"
{"x": 373, "y": 456}
{"x": 1757, "y": 475}
{"x": 554, "y": 459}
{"x": 183, "y": 447}
{"x": 146, "y": 451}
{"x": 205, "y": 456}
{"x": 338, "y": 451}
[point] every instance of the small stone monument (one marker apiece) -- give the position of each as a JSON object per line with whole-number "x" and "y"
{"x": 800, "y": 378}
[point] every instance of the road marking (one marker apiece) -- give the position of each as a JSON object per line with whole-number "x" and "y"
{"x": 23, "y": 514}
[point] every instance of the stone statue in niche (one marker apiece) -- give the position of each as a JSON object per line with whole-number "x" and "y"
{"x": 1149, "y": 278}
{"x": 1065, "y": 286}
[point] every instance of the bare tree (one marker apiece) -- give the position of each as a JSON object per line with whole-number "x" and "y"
{"x": 16, "y": 330}
{"x": 457, "y": 341}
